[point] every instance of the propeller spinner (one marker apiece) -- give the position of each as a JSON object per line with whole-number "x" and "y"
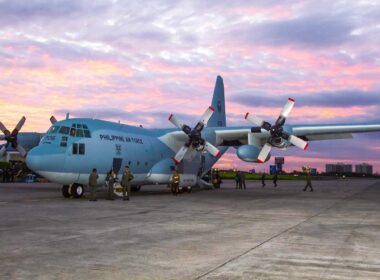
{"x": 276, "y": 131}
{"x": 195, "y": 140}
{"x": 11, "y": 138}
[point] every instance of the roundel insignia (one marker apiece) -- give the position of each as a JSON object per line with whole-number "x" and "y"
{"x": 219, "y": 106}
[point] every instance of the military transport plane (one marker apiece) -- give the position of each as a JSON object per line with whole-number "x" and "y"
{"x": 70, "y": 149}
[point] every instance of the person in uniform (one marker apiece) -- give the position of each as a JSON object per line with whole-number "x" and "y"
{"x": 111, "y": 181}
{"x": 275, "y": 180}
{"x": 126, "y": 183}
{"x": 175, "y": 179}
{"x": 263, "y": 180}
{"x": 216, "y": 180}
{"x": 92, "y": 183}
{"x": 308, "y": 179}
{"x": 237, "y": 179}
{"x": 242, "y": 181}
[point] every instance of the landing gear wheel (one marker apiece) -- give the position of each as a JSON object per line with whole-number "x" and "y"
{"x": 77, "y": 190}
{"x": 65, "y": 191}
{"x": 136, "y": 188}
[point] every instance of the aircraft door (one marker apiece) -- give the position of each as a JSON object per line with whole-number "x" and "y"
{"x": 116, "y": 165}
{"x": 71, "y": 163}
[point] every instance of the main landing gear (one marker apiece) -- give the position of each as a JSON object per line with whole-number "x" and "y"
{"x": 74, "y": 190}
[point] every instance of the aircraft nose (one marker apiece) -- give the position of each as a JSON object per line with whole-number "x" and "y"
{"x": 33, "y": 160}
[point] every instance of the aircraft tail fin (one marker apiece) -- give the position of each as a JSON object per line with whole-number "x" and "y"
{"x": 218, "y": 118}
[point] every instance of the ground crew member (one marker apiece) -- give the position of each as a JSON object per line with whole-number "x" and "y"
{"x": 242, "y": 181}
{"x": 308, "y": 180}
{"x": 263, "y": 180}
{"x": 237, "y": 179}
{"x": 111, "y": 181}
{"x": 216, "y": 180}
{"x": 175, "y": 179}
{"x": 275, "y": 180}
{"x": 126, "y": 182}
{"x": 92, "y": 183}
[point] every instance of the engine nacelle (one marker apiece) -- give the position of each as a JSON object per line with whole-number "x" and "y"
{"x": 249, "y": 153}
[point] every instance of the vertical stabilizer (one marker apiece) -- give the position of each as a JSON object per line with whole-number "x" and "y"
{"x": 218, "y": 119}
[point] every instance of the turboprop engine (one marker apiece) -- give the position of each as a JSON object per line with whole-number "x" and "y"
{"x": 249, "y": 153}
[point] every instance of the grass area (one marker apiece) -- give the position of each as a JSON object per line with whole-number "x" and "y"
{"x": 248, "y": 176}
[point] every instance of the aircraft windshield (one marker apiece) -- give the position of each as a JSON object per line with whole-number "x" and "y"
{"x": 80, "y": 130}
{"x": 53, "y": 129}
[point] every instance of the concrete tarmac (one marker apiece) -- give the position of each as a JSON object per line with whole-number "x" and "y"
{"x": 258, "y": 233}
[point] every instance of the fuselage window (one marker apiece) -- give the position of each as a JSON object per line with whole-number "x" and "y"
{"x": 63, "y": 141}
{"x": 75, "y": 148}
{"x": 64, "y": 130}
{"x": 79, "y": 126}
{"x": 87, "y": 133}
{"x": 81, "y": 149}
{"x": 79, "y": 133}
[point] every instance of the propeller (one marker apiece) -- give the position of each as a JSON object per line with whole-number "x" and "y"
{"x": 11, "y": 138}
{"x": 276, "y": 131}
{"x": 195, "y": 141}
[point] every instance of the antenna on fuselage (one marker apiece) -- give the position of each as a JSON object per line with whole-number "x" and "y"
{"x": 67, "y": 116}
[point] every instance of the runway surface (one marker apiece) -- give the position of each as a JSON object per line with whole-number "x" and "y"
{"x": 258, "y": 233}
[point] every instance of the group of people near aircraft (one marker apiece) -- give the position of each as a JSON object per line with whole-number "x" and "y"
{"x": 111, "y": 179}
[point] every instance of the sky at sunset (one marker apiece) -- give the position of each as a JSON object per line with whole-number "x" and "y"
{"x": 139, "y": 61}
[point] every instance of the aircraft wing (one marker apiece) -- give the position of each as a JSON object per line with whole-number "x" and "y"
{"x": 239, "y": 136}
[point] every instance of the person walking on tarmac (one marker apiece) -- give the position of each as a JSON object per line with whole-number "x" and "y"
{"x": 92, "y": 183}
{"x": 308, "y": 180}
{"x": 237, "y": 179}
{"x": 111, "y": 176}
{"x": 275, "y": 179}
{"x": 174, "y": 181}
{"x": 263, "y": 180}
{"x": 242, "y": 181}
{"x": 126, "y": 182}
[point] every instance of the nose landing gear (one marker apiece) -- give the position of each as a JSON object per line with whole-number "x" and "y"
{"x": 74, "y": 190}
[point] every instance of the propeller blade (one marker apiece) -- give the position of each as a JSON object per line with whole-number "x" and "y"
{"x": 18, "y": 126}
{"x": 264, "y": 153}
{"x": 4, "y": 129}
{"x": 174, "y": 120}
{"x": 53, "y": 120}
{"x": 2, "y": 151}
{"x": 298, "y": 142}
{"x": 180, "y": 154}
{"x": 21, "y": 150}
{"x": 206, "y": 115}
{"x": 254, "y": 119}
{"x": 287, "y": 108}
{"x": 212, "y": 149}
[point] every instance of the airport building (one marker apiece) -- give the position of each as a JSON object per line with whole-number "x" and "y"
{"x": 364, "y": 168}
{"x": 339, "y": 167}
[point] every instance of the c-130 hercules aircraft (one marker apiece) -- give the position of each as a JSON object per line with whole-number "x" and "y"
{"x": 70, "y": 149}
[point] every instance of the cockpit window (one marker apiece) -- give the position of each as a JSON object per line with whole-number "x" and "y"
{"x": 64, "y": 130}
{"x": 53, "y": 129}
{"x": 87, "y": 134}
{"x": 79, "y": 133}
{"x": 72, "y": 132}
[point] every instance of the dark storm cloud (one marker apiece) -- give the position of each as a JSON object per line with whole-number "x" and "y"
{"x": 334, "y": 99}
{"x": 309, "y": 31}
